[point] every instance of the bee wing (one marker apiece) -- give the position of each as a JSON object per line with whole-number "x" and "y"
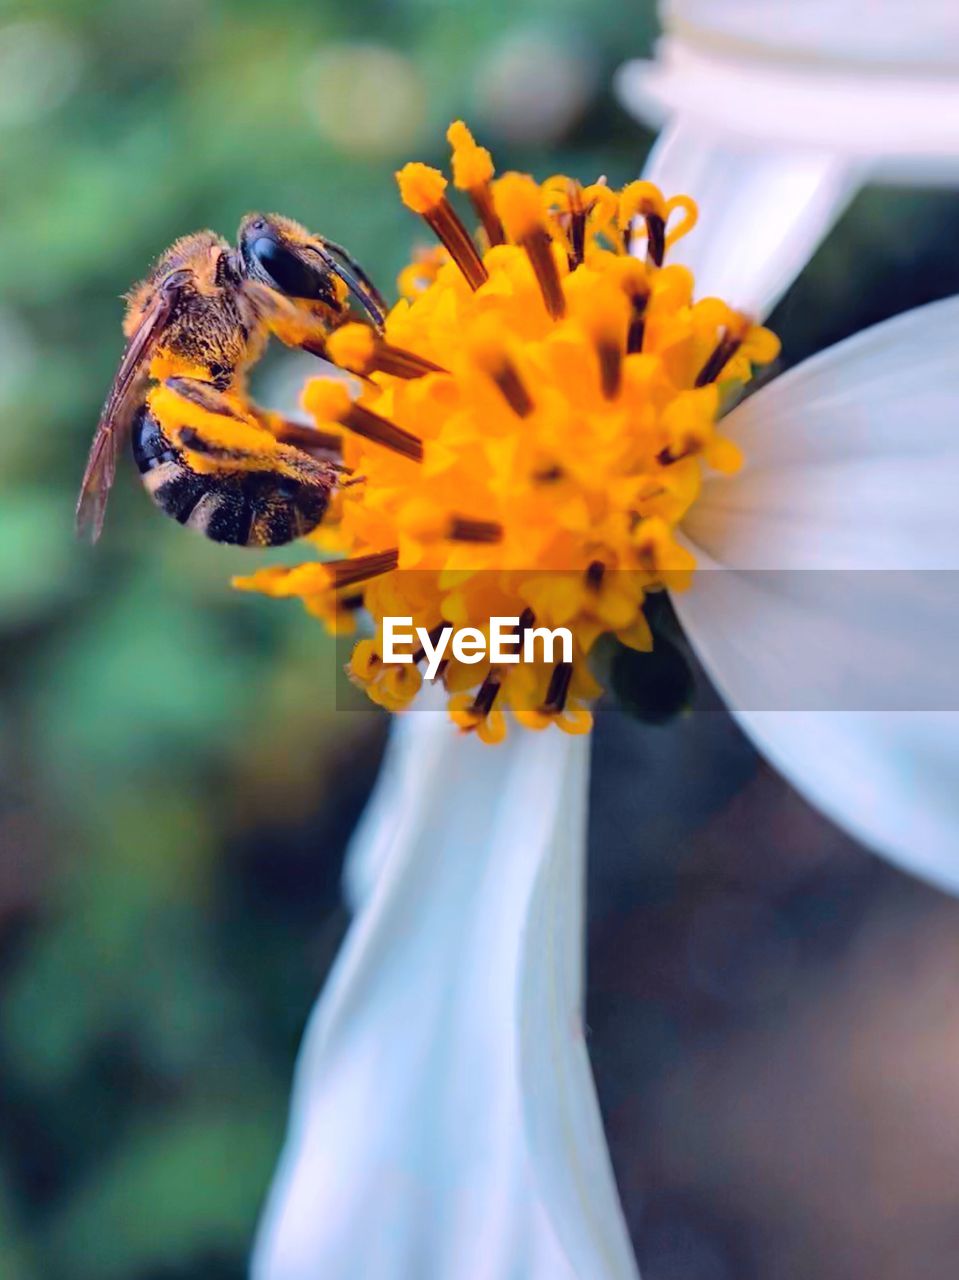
{"x": 116, "y": 415}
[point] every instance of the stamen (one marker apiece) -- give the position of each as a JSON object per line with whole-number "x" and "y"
{"x": 635, "y": 284}
{"x": 370, "y": 425}
{"x": 309, "y": 438}
{"x": 539, "y": 249}
{"x": 655, "y": 238}
{"x": 578, "y": 213}
{"x": 329, "y": 399}
{"x": 347, "y": 573}
{"x": 421, "y": 189}
{"x": 645, "y": 200}
{"x": 725, "y": 349}
{"x": 594, "y": 574}
{"x": 558, "y": 689}
{"x": 402, "y": 364}
{"x": 549, "y": 475}
{"x": 473, "y": 173}
{"x": 514, "y": 390}
{"x": 486, "y": 695}
{"x": 520, "y": 205}
{"x": 666, "y": 457}
{"x": 637, "y": 326}
{"x": 610, "y": 368}
{"x": 489, "y": 353}
{"x": 357, "y": 348}
{"x": 604, "y": 312}
{"x": 464, "y": 529}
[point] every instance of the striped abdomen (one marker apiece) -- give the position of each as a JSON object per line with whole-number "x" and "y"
{"x": 246, "y": 508}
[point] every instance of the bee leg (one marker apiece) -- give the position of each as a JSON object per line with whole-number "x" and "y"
{"x": 296, "y": 326}
{"x": 203, "y": 394}
{"x": 278, "y": 459}
{"x": 325, "y": 445}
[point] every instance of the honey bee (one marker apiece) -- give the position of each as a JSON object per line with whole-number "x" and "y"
{"x": 208, "y": 456}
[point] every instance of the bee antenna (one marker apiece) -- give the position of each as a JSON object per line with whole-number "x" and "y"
{"x": 355, "y": 279}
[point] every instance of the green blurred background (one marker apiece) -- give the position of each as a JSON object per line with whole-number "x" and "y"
{"x": 177, "y": 789}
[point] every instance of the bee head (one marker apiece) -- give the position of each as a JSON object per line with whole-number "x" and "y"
{"x": 278, "y": 252}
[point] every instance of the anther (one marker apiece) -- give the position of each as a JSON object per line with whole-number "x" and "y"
{"x": 666, "y": 457}
{"x": 595, "y": 572}
{"x": 520, "y": 205}
{"x": 486, "y": 695}
{"x": 463, "y": 529}
{"x": 400, "y": 363}
{"x": 645, "y": 200}
{"x": 370, "y": 425}
{"x": 422, "y": 190}
{"x": 513, "y": 388}
{"x": 309, "y": 439}
{"x": 610, "y": 368}
{"x": 347, "y": 573}
{"x": 558, "y": 689}
{"x": 604, "y": 313}
{"x": 357, "y": 348}
{"x": 655, "y": 238}
{"x": 329, "y": 400}
{"x": 539, "y": 250}
{"x": 637, "y": 321}
{"x": 473, "y": 173}
{"x": 725, "y": 349}
{"x": 490, "y": 354}
{"x": 578, "y": 213}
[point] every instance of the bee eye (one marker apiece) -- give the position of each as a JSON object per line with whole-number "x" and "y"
{"x": 288, "y": 272}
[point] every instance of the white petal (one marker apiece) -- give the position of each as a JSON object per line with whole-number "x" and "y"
{"x": 409, "y": 1152}
{"x": 826, "y": 606}
{"x": 763, "y": 211}
{"x": 875, "y": 34}
{"x": 879, "y": 117}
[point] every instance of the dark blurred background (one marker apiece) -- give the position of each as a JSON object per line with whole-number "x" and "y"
{"x": 773, "y": 1014}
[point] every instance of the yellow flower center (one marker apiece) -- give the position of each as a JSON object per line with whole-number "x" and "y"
{"x": 532, "y": 426}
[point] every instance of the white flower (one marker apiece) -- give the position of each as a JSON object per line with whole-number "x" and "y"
{"x": 826, "y": 603}
{"x": 444, "y": 1123}
{"x": 776, "y": 111}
